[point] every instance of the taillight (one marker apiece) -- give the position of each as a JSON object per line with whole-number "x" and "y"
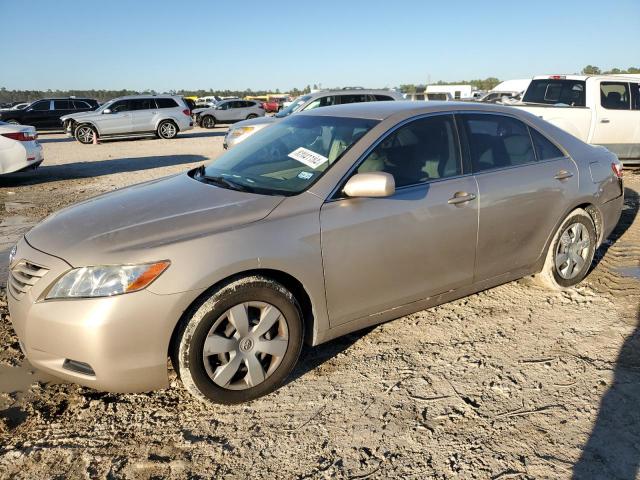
{"x": 187, "y": 112}
{"x": 617, "y": 169}
{"x": 21, "y": 136}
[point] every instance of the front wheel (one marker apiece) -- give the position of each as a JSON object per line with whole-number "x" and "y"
{"x": 85, "y": 134}
{"x": 12, "y": 121}
{"x": 240, "y": 343}
{"x": 167, "y": 129}
{"x": 570, "y": 253}
{"x": 251, "y": 115}
{"x": 208, "y": 121}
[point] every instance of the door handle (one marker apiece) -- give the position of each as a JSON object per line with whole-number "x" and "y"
{"x": 604, "y": 120}
{"x": 563, "y": 175}
{"x": 461, "y": 197}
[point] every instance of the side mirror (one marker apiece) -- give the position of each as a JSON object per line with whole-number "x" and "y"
{"x": 371, "y": 184}
{"x": 106, "y": 111}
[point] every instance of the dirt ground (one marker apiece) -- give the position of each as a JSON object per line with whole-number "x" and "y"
{"x": 512, "y": 383}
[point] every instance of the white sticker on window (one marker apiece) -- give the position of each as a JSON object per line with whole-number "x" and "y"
{"x": 305, "y": 175}
{"x": 309, "y": 158}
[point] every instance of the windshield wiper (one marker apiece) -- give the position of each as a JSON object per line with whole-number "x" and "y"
{"x": 221, "y": 181}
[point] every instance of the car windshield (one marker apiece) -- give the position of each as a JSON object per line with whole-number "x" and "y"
{"x": 287, "y": 157}
{"x": 293, "y": 107}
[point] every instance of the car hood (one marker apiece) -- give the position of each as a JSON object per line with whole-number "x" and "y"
{"x": 256, "y": 121}
{"x": 76, "y": 116}
{"x": 127, "y": 225}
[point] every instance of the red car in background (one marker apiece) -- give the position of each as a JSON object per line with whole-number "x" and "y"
{"x": 273, "y": 105}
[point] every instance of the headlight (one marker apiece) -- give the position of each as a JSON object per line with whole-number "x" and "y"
{"x": 12, "y": 253}
{"x": 239, "y": 131}
{"x": 106, "y": 280}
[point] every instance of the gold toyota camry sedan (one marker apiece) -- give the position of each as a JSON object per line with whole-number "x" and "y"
{"x": 324, "y": 223}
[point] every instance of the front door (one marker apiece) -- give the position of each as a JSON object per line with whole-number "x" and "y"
{"x": 39, "y": 114}
{"x": 381, "y": 253}
{"x": 524, "y": 189}
{"x": 116, "y": 122}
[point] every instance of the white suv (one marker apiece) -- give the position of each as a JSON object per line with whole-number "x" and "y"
{"x": 228, "y": 111}
{"x": 132, "y": 116}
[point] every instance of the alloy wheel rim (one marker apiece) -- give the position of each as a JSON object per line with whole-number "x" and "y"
{"x": 168, "y": 130}
{"x": 572, "y": 251}
{"x": 85, "y": 134}
{"x": 208, "y": 122}
{"x": 245, "y": 345}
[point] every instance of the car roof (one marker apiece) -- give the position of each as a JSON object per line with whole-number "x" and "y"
{"x": 383, "y": 110}
{"x": 146, "y": 95}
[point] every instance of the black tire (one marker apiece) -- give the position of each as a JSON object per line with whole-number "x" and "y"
{"x": 556, "y": 277}
{"x": 12, "y": 121}
{"x": 208, "y": 121}
{"x": 167, "y": 129}
{"x": 200, "y": 321}
{"x": 251, "y": 115}
{"x": 84, "y": 133}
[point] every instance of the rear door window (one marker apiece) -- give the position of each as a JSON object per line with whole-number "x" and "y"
{"x": 425, "y": 149}
{"x": 41, "y": 106}
{"x": 545, "y": 150}
{"x": 497, "y": 141}
{"x": 552, "y": 92}
{"x": 382, "y": 98}
{"x": 142, "y": 104}
{"x": 352, "y": 98}
{"x": 62, "y": 105}
{"x": 615, "y": 95}
{"x": 322, "y": 102}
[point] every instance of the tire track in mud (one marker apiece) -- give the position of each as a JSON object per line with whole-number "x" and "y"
{"x": 617, "y": 269}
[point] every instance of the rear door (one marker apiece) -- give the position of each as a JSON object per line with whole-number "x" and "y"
{"x": 143, "y": 112}
{"x": 382, "y": 253}
{"x": 525, "y": 185}
{"x": 617, "y": 125}
{"x": 60, "y": 109}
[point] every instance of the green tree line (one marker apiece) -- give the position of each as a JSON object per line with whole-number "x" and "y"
{"x": 7, "y": 95}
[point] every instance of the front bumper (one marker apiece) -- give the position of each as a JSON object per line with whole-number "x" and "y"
{"x": 124, "y": 339}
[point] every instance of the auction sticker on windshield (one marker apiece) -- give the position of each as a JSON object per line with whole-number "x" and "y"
{"x": 308, "y": 157}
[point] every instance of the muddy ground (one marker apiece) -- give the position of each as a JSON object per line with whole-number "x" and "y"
{"x": 513, "y": 383}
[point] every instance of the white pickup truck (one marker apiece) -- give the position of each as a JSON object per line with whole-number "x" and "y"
{"x": 601, "y": 109}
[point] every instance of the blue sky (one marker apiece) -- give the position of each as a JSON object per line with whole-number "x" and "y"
{"x": 164, "y": 45}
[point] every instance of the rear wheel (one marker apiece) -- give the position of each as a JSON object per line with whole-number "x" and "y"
{"x": 240, "y": 343}
{"x": 12, "y": 121}
{"x": 85, "y": 133}
{"x": 208, "y": 121}
{"x": 570, "y": 253}
{"x": 167, "y": 129}
{"x": 251, "y": 115}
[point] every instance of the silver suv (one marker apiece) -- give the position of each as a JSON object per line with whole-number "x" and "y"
{"x": 228, "y": 111}
{"x": 132, "y": 116}
{"x": 324, "y": 98}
